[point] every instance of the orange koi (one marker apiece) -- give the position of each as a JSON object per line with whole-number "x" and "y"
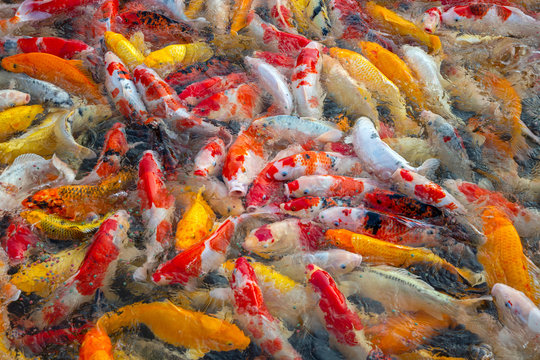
{"x": 240, "y": 15}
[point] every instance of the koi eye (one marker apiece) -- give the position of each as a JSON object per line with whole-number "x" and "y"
{"x": 336, "y": 223}
{"x": 508, "y": 304}
{"x": 343, "y": 266}
{"x": 284, "y": 173}
{"x": 306, "y": 192}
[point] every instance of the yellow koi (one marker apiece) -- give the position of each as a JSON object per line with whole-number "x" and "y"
{"x": 195, "y": 225}
{"x": 179, "y": 55}
{"x": 125, "y": 50}
{"x": 17, "y": 119}
{"x": 396, "y": 24}
{"x": 240, "y": 15}
{"x": 58, "y": 228}
{"x": 43, "y": 276}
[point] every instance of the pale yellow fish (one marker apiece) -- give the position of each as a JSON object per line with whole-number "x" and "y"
{"x": 125, "y": 50}
{"x": 17, "y": 119}
{"x": 177, "y": 55}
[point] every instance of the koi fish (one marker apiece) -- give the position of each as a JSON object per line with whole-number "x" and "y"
{"x": 296, "y": 130}
{"x": 399, "y": 204}
{"x": 284, "y": 63}
{"x": 45, "y": 275}
{"x": 273, "y": 82}
{"x": 240, "y": 103}
{"x": 122, "y": 89}
{"x": 64, "y": 48}
{"x": 198, "y": 72}
{"x": 19, "y": 239}
{"x": 346, "y": 91}
{"x": 379, "y": 252}
{"x": 377, "y": 157}
{"x": 217, "y": 195}
{"x": 198, "y": 260}
{"x": 328, "y": 185}
{"x": 73, "y": 201}
{"x": 502, "y": 255}
{"x": 283, "y": 237}
{"x": 157, "y": 208}
{"x": 58, "y": 228}
{"x": 18, "y": 118}
{"x": 155, "y": 26}
{"x": 308, "y": 207}
{"x": 67, "y": 74}
{"x": 52, "y": 135}
{"x": 172, "y": 324}
{"x": 125, "y": 50}
{"x": 194, "y": 93}
{"x": 482, "y": 18}
{"x": 394, "y": 23}
{"x": 95, "y": 272}
{"x": 169, "y": 57}
{"x": 114, "y": 148}
{"x": 209, "y": 160}
{"x": 104, "y": 19}
{"x": 11, "y": 98}
{"x": 195, "y": 225}
{"x": 39, "y": 91}
{"x": 515, "y": 306}
{"x": 376, "y": 82}
{"x": 239, "y": 16}
{"x": 292, "y": 167}
{"x": 305, "y": 80}
{"x": 343, "y": 324}
{"x": 252, "y": 313}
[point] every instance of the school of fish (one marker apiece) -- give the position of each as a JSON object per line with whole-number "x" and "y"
{"x": 279, "y": 179}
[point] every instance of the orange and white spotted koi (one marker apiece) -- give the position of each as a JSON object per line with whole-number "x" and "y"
{"x": 122, "y": 89}
{"x": 240, "y": 103}
{"x": 209, "y": 160}
{"x": 114, "y": 148}
{"x": 292, "y": 167}
{"x": 343, "y": 324}
{"x": 308, "y": 207}
{"x": 328, "y": 185}
{"x": 306, "y": 82}
{"x": 95, "y": 272}
{"x": 161, "y": 100}
{"x": 157, "y": 207}
{"x": 198, "y": 260}
{"x": 253, "y": 315}
{"x": 198, "y": 91}
{"x": 284, "y": 237}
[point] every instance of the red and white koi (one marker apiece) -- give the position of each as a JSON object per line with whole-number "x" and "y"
{"x": 284, "y": 237}
{"x": 392, "y": 228}
{"x": 306, "y": 82}
{"x": 266, "y": 185}
{"x": 95, "y": 272}
{"x": 114, "y": 148}
{"x": 281, "y": 13}
{"x": 157, "y": 208}
{"x": 273, "y": 82}
{"x": 19, "y": 239}
{"x": 272, "y": 39}
{"x": 197, "y": 261}
{"x": 209, "y": 160}
{"x": 329, "y": 185}
{"x": 240, "y": 103}
{"x": 308, "y": 207}
{"x": 122, "y": 89}
{"x": 284, "y": 63}
{"x": 64, "y": 48}
{"x": 426, "y": 191}
{"x": 515, "y": 308}
{"x": 198, "y": 91}
{"x": 12, "y": 98}
{"x": 252, "y": 313}
{"x": 343, "y": 324}
{"x": 161, "y": 100}
{"x": 376, "y": 156}
{"x": 481, "y": 18}
{"x": 104, "y": 19}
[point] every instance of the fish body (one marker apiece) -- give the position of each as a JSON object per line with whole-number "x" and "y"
{"x": 58, "y": 228}
{"x": 273, "y": 82}
{"x": 52, "y": 135}
{"x": 104, "y": 19}
{"x": 209, "y": 160}
{"x": 63, "y": 73}
{"x": 194, "y": 93}
{"x": 176, "y": 55}
{"x": 64, "y": 48}
{"x": 19, "y": 239}
{"x": 239, "y": 17}
{"x": 514, "y": 305}
{"x": 39, "y": 91}
{"x": 376, "y": 156}
{"x": 328, "y": 185}
{"x": 125, "y": 50}
{"x": 305, "y": 81}
{"x": 122, "y": 89}
{"x": 283, "y": 237}
{"x": 95, "y": 272}
{"x": 195, "y": 225}
{"x": 199, "y": 259}
{"x": 11, "y": 98}
{"x": 96, "y": 344}
{"x": 399, "y": 204}
{"x": 308, "y": 207}
{"x": 157, "y": 208}
{"x": 343, "y": 324}
{"x": 252, "y": 313}
{"x": 296, "y": 130}
{"x": 272, "y": 39}
{"x": 18, "y": 118}
{"x": 217, "y": 195}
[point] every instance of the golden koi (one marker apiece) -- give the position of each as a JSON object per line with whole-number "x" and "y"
{"x": 196, "y": 224}
{"x": 17, "y": 119}
{"x": 125, "y": 50}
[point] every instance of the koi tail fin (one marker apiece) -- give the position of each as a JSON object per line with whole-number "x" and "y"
{"x": 428, "y": 167}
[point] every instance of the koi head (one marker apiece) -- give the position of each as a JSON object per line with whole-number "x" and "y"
{"x": 17, "y": 64}
{"x": 44, "y": 199}
{"x": 431, "y": 20}
{"x": 151, "y": 186}
{"x": 516, "y": 306}
{"x": 247, "y": 294}
{"x": 262, "y": 192}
